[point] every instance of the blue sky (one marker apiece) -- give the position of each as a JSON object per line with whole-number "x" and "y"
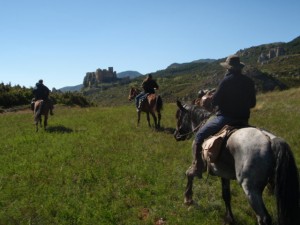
{"x": 60, "y": 40}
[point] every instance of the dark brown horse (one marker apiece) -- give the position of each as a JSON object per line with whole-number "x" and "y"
{"x": 41, "y": 108}
{"x": 152, "y": 105}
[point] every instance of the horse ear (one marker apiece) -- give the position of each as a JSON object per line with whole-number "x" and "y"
{"x": 179, "y": 105}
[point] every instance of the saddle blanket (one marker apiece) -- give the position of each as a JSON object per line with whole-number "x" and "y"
{"x": 212, "y": 145}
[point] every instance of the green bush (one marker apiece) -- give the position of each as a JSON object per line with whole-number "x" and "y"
{"x": 12, "y": 96}
{"x": 70, "y": 99}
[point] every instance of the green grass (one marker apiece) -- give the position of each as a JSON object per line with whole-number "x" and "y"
{"x": 94, "y": 166}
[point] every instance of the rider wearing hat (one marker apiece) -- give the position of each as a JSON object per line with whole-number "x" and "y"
{"x": 233, "y": 99}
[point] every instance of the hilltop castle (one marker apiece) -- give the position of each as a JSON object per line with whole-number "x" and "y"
{"x": 100, "y": 76}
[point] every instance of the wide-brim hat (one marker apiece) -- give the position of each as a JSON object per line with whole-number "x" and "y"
{"x": 232, "y": 62}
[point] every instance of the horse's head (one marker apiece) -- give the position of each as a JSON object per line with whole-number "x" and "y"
{"x": 133, "y": 93}
{"x": 189, "y": 119}
{"x": 184, "y": 126}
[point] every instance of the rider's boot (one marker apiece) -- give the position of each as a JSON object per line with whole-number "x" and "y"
{"x": 139, "y": 105}
{"x": 197, "y": 166}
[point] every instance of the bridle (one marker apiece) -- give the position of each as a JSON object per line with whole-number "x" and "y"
{"x": 133, "y": 93}
{"x": 197, "y": 127}
{"x": 194, "y": 130}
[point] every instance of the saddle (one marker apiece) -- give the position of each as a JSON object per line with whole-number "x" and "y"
{"x": 148, "y": 97}
{"x": 212, "y": 146}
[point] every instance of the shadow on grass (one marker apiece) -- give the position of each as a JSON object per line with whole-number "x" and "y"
{"x": 58, "y": 129}
{"x": 167, "y": 130}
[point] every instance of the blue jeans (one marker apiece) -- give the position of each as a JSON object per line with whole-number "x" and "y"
{"x": 137, "y": 99}
{"x": 213, "y": 126}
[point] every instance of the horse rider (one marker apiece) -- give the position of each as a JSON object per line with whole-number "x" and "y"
{"x": 41, "y": 92}
{"x": 149, "y": 85}
{"x": 233, "y": 99}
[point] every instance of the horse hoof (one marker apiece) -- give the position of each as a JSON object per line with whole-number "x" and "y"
{"x": 188, "y": 201}
{"x": 227, "y": 221}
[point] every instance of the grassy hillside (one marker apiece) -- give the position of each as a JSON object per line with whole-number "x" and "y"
{"x": 285, "y": 68}
{"x": 185, "y": 82}
{"x": 94, "y": 166}
{"x": 186, "y": 79}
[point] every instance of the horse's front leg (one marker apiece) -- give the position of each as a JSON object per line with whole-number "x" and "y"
{"x": 45, "y": 122}
{"x": 148, "y": 119}
{"x": 154, "y": 119}
{"x": 158, "y": 119}
{"x": 227, "y": 199}
{"x": 36, "y": 126}
{"x": 138, "y": 118}
{"x": 188, "y": 195}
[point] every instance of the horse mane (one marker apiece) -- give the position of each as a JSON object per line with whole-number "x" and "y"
{"x": 198, "y": 113}
{"x": 197, "y": 116}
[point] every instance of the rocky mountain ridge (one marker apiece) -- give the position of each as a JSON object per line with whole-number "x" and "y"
{"x": 279, "y": 69}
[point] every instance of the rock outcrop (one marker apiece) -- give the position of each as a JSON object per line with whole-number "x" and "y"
{"x": 272, "y": 53}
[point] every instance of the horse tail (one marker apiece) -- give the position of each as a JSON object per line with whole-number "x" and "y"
{"x": 286, "y": 184}
{"x": 38, "y": 111}
{"x": 159, "y": 103}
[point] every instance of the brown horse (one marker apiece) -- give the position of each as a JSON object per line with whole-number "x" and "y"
{"x": 152, "y": 105}
{"x": 41, "y": 108}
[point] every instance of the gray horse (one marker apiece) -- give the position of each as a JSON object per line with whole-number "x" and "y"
{"x": 255, "y": 158}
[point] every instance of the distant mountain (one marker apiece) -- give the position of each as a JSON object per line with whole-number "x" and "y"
{"x": 129, "y": 73}
{"x": 71, "y": 88}
{"x": 177, "y": 65}
{"x": 204, "y": 61}
{"x": 272, "y": 66}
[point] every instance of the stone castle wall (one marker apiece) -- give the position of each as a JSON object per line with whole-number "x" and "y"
{"x": 100, "y": 76}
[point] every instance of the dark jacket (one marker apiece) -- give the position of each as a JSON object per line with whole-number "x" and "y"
{"x": 40, "y": 91}
{"x": 149, "y": 86}
{"x": 235, "y": 96}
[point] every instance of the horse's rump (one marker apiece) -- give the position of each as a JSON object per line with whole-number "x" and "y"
{"x": 153, "y": 102}
{"x": 151, "y": 98}
{"x": 41, "y": 107}
{"x": 38, "y": 106}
